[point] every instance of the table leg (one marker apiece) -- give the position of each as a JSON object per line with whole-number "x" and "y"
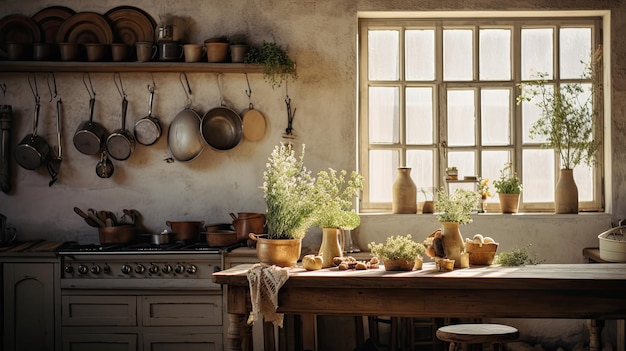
{"x": 239, "y": 333}
{"x": 595, "y": 334}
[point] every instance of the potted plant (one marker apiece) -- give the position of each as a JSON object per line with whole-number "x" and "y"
{"x": 484, "y": 191}
{"x": 277, "y": 66}
{"x": 399, "y": 253}
{"x": 289, "y": 193}
{"x": 566, "y": 125}
{"x": 334, "y": 196}
{"x": 508, "y": 187}
{"x": 238, "y": 48}
{"x": 453, "y": 210}
{"x": 428, "y": 206}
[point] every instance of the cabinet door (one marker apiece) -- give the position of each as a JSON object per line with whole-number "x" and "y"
{"x": 99, "y": 310}
{"x": 29, "y": 306}
{"x": 182, "y": 310}
{"x": 182, "y": 341}
{"x": 100, "y": 342}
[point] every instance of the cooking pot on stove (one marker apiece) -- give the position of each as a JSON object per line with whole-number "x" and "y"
{"x": 187, "y": 231}
{"x": 163, "y": 238}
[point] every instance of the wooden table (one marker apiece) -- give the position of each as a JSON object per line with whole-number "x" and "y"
{"x": 596, "y": 292}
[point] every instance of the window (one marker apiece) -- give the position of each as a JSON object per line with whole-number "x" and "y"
{"x": 440, "y": 93}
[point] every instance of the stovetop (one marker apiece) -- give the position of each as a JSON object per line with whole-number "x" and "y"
{"x": 145, "y": 248}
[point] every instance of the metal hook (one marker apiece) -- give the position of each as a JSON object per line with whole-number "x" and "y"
{"x": 92, "y": 92}
{"x": 153, "y": 87}
{"x": 290, "y": 114}
{"x": 121, "y": 91}
{"x": 180, "y": 77}
{"x": 249, "y": 92}
{"x": 3, "y": 86}
{"x": 54, "y": 79}
{"x": 35, "y": 90}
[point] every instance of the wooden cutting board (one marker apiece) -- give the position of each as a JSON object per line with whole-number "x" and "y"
{"x": 23, "y": 246}
{"x": 46, "y": 246}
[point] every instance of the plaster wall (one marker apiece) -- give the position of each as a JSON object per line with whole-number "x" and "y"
{"x": 321, "y": 37}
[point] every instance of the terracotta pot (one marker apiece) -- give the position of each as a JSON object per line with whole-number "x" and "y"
{"x": 509, "y": 203}
{"x": 279, "y": 252}
{"x": 428, "y": 207}
{"x": 566, "y": 193}
{"x": 216, "y": 52}
{"x": 399, "y": 265}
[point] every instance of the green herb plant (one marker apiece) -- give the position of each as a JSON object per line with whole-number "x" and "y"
{"x": 289, "y": 192}
{"x": 335, "y": 194}
{"x": 515, "y": 257}
{"x": 277, "y": 66}
{"x": 456, "y": 207}
{"x": 508, "y": 183}
{"x": 397, "y": 247}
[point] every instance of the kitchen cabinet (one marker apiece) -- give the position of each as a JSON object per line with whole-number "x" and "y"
{"x": 106, "y": 67}
{"x": 30, "y": 300}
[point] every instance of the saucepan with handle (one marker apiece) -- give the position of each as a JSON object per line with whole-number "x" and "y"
{"x": 148, "y": 129}
{"x": 90, "y": 136}
{"x": 33, "y": 151}
{"x": 121, "y": 143}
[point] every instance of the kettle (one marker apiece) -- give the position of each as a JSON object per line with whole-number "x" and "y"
{"x": 7, "y": 234}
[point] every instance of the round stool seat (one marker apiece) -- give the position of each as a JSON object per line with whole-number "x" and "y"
{"x": 477, "y": 333}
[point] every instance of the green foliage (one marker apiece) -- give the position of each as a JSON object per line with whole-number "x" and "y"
{"x": 289, "y": 192}
{"x": 397, "y": 247}
{"x": 508, "y": 183}
{"x": 456, "y": 207}
{"x": 335, "y": 195}
{"x": 515, "y": 257}
{"x": 277, "y": 66}
{"x": 568, "y": 116}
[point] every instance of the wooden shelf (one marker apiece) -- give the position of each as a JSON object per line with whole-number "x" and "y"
{"x": 109, "y": 67}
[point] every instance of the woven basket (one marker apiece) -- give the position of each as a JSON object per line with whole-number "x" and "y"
{"x": 481, "y": 255}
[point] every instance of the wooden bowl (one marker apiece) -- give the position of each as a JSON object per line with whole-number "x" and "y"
{"x": 481, "y": 255}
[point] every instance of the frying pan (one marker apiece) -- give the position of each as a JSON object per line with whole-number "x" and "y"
{"x": 90, "y": 136}
{"x": 183, "y": 138}
{"x": 221, "y": 128}
{"x": 121, "y": 143}
{"x": 33, "y": 150}
{"x": 148, "y": 129}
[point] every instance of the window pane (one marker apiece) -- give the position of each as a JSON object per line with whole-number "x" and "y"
{"x": 575, "y": 51}
{"x": 420, "y": 54}
{"x": 421, "y": 163}
{"x": 419, "y": 116}
{"x": 383, "y": 53}
{"x": 461, "y": 118}
{"x": 538, "y": 175}
{"x": 383, "y": 170}
{"x": 495, "y": 54}
{"x": 583, "y": 176}
{"x": 537, "y": 52}
{"x": 495, "y": 116}
{"x": 384, "y": 114}
{"x": 464, "y": 161}
{"x": 457, "y": 54}
{"x": 492, "y": 163}
{"x": 531, "y": 112}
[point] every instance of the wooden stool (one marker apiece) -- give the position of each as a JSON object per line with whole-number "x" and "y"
{"x": 477, "y": 334}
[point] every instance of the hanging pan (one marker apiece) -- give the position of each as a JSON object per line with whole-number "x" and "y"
{"x": 183, "y": 138}
{"x": 90, "y": 136}
{"x": 253, "y": 120}
{"x": 121, "y": 143}
{"x": 33, "y": 151}
{"x": 148, "y": 129}
{"x": 221, "y": 126}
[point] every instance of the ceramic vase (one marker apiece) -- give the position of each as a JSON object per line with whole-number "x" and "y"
{"x": 509, "y": 202}
{"x": 566, "y": 193}
{"x": 332, "y": 242}
{"x": 404, "y": 192}
{"x": 453, "y": 246}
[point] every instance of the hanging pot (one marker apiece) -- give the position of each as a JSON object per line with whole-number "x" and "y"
{"x": 221, "y": 128}
{"x": 121, "y": 143}
{"x": 6, "y": 117}
{"x": 183, "y": 137}
{"x": 33, "y": 150}
{"x": 89, "y": 136}
{"x": 148, "y": 129}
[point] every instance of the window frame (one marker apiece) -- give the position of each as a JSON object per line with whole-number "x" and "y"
{"x": 515, "y": 23}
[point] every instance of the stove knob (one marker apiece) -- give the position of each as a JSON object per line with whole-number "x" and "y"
{"x": 179, "y": 268}
{"x": 95, "y": 269}
{"x": 154, "y": 269}
{"x": 106, "y": 269}
{"x": 69, "y": 269}
{"x": 192, "y": 269}
{"x": 82, "y": 269}
{"x": 140, "y": 268}
{"x": 166, "y": 268}
{"x": 126, "y": 269}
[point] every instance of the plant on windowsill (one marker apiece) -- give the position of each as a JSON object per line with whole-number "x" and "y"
{"x": 567, "y": 124}
{"x": 277, "y": 66}
{"x": 428, "y": 205}
{"x": 399, "y": 253}
{"x": 509, "y": 188}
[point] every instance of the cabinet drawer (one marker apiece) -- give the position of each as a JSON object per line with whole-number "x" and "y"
{"x": 99, "y": 310}
{"x": 182, "y": 310}
{"x": 177, "y": 342}
{"x": 100, "y": 342}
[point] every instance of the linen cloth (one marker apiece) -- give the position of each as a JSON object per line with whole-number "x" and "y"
{"x": 265, "y": 281}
